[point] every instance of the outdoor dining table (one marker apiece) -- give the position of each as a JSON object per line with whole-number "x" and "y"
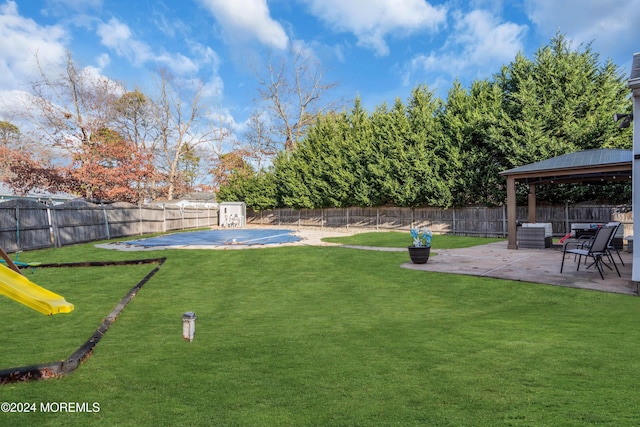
{"x": 579, "y": 230}
{"x": 585, "y": 230}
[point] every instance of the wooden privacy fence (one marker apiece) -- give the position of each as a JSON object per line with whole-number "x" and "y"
{"x": 469, "y": 221}
{"x": 26, "y": 224}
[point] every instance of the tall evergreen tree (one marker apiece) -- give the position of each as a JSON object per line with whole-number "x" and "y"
{"x": 427, "y": 152}
{"x": 559, "y": 102}
{"x": 469, "y": 121}
{"x": 436, "y": 161}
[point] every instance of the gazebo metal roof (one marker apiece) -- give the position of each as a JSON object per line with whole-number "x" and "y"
{"x": 582, "y": 166}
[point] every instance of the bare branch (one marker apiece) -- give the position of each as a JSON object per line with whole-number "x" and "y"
{"x": 294, "y": 91}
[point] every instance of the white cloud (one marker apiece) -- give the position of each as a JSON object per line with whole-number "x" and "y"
{"x": 243, "y": 20}
{"x": 610, "y": 25}
{"x": 117, "y": 36}
{"x": 178, "y": 63}
{"x": 94, "y": 78}
{"x": 103, "y": 60}
{"x": 305, "y": 50}
{"x": 479, "y": 44}
{"x": 205, "y": 54}
{"x": 77, "y": 5}
{"x": 171, "y": 27}
{"x": 485, "y": 39}
{"x": 12, "y": 102}
{"x": 23, "y": 39}
{"x": 213, "y": 88}
{"x": 373, "y": 20}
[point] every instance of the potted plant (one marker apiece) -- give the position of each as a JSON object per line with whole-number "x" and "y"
{"x": 421, "y": 248}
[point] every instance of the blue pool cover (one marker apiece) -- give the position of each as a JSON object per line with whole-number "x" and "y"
{"x": 220, "y": 237}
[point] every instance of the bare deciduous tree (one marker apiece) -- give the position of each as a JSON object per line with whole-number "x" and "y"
{"x": 294, "y": 91}
{"x": 260, "y": 145}
{"x": 134, "y": 119}
{"x": 182, "y": 127}
{"x": 71, "y": 104}
{"x": 65, "y": 107}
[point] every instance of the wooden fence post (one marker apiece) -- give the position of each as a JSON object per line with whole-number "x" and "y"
{"x": 453, "y": 225}
{"x": 504, "y": 220}
{"x": 50, "y": 223}
{"x": 18, "y": 226}
{"x": 106, "y": 222}
{"x": 56, "y": 229}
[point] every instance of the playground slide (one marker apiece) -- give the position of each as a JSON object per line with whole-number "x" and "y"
{"x": 19, "y": 288}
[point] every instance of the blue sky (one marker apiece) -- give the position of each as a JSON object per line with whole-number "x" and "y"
{"x": 377, "y": 49}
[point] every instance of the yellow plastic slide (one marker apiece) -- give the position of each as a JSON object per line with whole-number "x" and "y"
{"x": 18, "y": 287}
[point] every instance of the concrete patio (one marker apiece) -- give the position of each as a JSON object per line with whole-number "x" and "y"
{"x": 529, "y": 265}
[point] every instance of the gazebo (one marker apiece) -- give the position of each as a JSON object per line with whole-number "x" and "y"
{"x": 582, "y": 166}
{"x": 578, "y": 168}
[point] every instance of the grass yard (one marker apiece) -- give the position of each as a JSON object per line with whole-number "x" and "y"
{"x": 397, "y": 239}
{"x": 323, "y": 336}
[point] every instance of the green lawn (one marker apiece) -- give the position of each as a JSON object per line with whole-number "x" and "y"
{"x": 323, "y": 336}
{"x": 398, "y": 239}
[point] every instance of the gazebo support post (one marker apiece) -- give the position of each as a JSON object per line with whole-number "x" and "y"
{"x": 512, "y": 239}
{"x": 634, "y": 85}
{"x": 635, "y": 272}
{"x": 532, "y": 203}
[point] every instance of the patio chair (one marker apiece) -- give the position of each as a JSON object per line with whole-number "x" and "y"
{"x": 579, "y": 242}
{"x": 597, "y": 250}
{"x": 610, "y": 246}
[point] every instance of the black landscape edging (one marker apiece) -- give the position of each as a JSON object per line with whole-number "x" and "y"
{"x": 58, "y": 369}
{"x": 101, "y": 263}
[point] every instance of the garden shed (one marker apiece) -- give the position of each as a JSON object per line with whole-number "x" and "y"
{"x": 232, "y": 214}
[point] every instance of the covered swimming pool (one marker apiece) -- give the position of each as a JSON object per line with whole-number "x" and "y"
{"x": 224, "y": 237}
